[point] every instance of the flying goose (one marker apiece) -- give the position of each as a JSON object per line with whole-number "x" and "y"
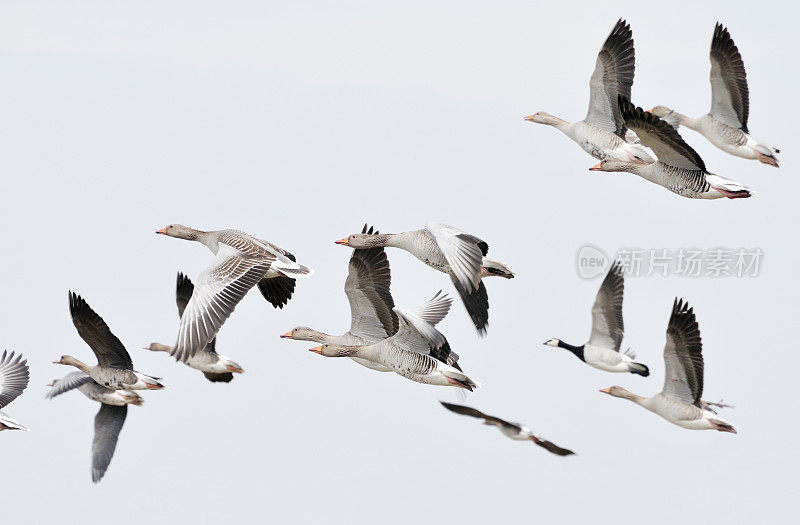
{"x": 679, "y": 168}
{"x": 679, "y": 402}
{"x": 725, "y": 125}
{"x": 241, "y": 262}
{"x": 602, "y": 134}
{"x": 514, "y": 431}
{"x": 14, "y": 375}
{"x": 109, "y": 419}
{"x": 451, "y": 251}
{"x": 217, "y": 368}
{"x": 86, "y": 385}
{"x": 114, "y": 367}
{"x": 372, "y": 317}
{"x": 602, "y": 350}
{"x": 418, "y": 351}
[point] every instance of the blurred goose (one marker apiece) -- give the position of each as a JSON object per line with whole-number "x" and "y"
{"x": 418, "y": 351}
{"x": 372, "y": 317}
{"x": 14, "y": 375}
{"x": 725, "y": 125}
{"x": 217, "y": 368}
{"x": 514, "y": 431}
{"x": 602, "y": 134}
{"x": 451, "y": 251}
{"x": 114, "y": 367}
{"x": 602, "y": 350}
{"x": 241, "y": 262}
{"x": 109, "y": 419}
{"x": 679, "y": 168}
{"x": 680, "y": 400}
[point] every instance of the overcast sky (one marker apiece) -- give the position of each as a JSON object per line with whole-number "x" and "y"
{"x": 298, "y": 123}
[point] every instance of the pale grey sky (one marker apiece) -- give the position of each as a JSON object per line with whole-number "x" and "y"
{"x": 300, "y": 122}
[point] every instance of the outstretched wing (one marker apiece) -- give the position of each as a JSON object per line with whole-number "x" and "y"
{"x": 367, "y": 287}
{"x": 612, "y": 77}
{"x": 463, "y": 252}
{"x": 660, "y": 137}
{"x": 607, "y": 325}
{"x": 14, "y": 375}
{"x": 69, "y": 382}
{"x": 683, "y": 355}
{"x": 107, "y": 425}
{"x": 730, "y": 96}
{"x": 106, "y": 346}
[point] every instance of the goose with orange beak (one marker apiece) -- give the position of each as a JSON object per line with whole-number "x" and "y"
{"x": 114, "y": 369}
{"x": 679, "y": 167}
{"x": 217, "y": 368}
{"x": 418, "y": 351}
{"x": 602, "y": 134}
{"x": 680, "y": 401}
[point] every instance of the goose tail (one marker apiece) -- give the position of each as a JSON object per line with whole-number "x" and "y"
{"x": 767, "y": 154}
{"x": 639, "y": 369}
{"x": 728, "y": 188}
{"x": 461, "y": 380}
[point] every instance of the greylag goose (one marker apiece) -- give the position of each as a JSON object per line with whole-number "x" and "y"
{"x": 114, "y": 367}
{"x": 86, "y": 385}
{"x": 602, "y": 134}
{"x": 217, "y": 368}
{"x": 14, "y": 375}
{"x": 602, "y": 350}
{"x": 109, "y": 419}
{"x": 418, "y": 351}
{"x": 241, "y": 262}
{"x": 372, "y": 317}
{"x": 679, "y": 402}
{"x": 679, "y": 168}
{"x": 451, "y": 251}
{"x": 725, "y": 125}
{"x": 514, "y": 431}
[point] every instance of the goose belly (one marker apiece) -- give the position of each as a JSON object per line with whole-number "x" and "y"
{"x": 678, "y": 413}
{"x": 411, "y": 365}
{"x": 598, "y": 143}
{"x": 605, "y": 359}
{"x": 371, "y": 365}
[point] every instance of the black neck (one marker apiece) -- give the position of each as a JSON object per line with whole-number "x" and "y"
{"x": 577, "y": 350}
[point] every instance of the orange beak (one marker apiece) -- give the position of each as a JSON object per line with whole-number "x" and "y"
{"x": 596, "y": 167}
{"x": 343, "y": 242}
{"x": 162, "y": 231}
{"x": 56, "y": 362}
{"x": 316, "y": 349}
{"x": 287, "y": 335}
{"x": 606, "y": 390}
{"x": 529, "y": 118}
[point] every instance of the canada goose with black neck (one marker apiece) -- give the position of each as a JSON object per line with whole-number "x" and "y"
{"x": 603, "y": 349}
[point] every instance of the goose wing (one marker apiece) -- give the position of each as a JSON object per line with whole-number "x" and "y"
{"x": 660, "y": 137}
{"x": 69, "y": 382}
{"x": 607, "y": 325}
{"x": 417, "y": 330}
{"x": 463, "y": 252}
{"x": 14, "y": 375}
{"x": 683, "y": 355}
{"x": 183, "y": 293}
{"x": 612, "y": 77}
{"x": 219, "y": 289}
{"x": 94, "y": 331}
{"x": 107, "y": 426}
{"x": 730, "y": 97}
{"x": 367, "y": 287}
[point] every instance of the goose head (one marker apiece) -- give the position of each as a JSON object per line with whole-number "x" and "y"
{"x": 329, "y": 350}
{"x": 661, "y": 111}
{"x": 69, "y": 361}
{"x": 616, "y": 165}
{"x": 540, "y": 117}
{"x": 180, "y": 231}
{"x": 303, "y": 333}
{"x": 553, "y": 342}
{"x": 618, "y": 391}
{"x": 363, "y": 240}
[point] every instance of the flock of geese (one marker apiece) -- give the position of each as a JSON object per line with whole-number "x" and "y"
{"x": 388, "y": 338}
